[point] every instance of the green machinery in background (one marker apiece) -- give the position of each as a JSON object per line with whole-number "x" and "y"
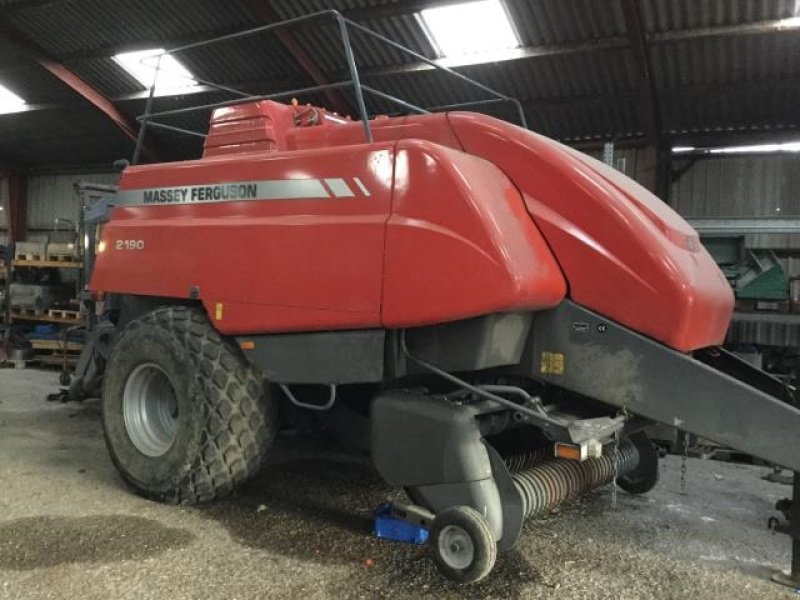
{"x": 761, "y": 259}
{"x": 754, "y": 273}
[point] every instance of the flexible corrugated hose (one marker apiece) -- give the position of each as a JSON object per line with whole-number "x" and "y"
{"x": 547, "y": 485}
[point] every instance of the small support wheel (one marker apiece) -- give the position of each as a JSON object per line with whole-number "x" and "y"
{"x": 462, "y": 544}
{"x": 644, "y": 477}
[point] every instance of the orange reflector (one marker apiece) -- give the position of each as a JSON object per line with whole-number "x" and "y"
{"x": 568, "y": 451}
{"x": 247, "y": 345}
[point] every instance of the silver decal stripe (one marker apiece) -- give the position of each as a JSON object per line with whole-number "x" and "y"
{"x": 339, "y": 188}
{"x": 268, "y": 189}
{"x": 291, "y": 188}
{"x": 361, "y": 186}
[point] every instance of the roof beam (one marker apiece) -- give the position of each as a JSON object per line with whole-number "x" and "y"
{"x": 766, "y": 133}
{"x": 755, "y": 28}
{"x": 666, "y": 95}
{"x": 513, "y": 54}
{"x": 109, "y": 50}
{"x": 648, "y": 97}
{"x": 366, "y": 14}
{"x": 263, "y": 11}
{"x": 73, "y": 81}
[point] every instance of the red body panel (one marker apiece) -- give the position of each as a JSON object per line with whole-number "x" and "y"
{"x": 625, "y": 253}
{"x": 444, "y": 217}
{"x": 460, "y": 243}
{"x": 276, "y": 265}
{"x": 457, "y": 243}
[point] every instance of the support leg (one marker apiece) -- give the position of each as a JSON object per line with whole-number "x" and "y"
{"x": 792, "y": 579}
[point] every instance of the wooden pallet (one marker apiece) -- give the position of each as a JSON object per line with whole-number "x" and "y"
{"x": 27, "y": 311}
{"x": 65, "y": 315}
{"x": 56, "y": 353}
{"x": 67, "y": 258}
{"x": 57, "y": 361}
{"x": 29, "y": 257}
{"x": 56, "y": 346}
{"x": 46, "y": 264}
{"x": 48, "y": 319}
{"x": 16, "y": 364}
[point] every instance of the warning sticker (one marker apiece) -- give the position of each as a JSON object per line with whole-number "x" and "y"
{"x": 552, "y": 363}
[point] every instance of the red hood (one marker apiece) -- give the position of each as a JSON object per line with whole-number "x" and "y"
{"x": 624, "y": 252}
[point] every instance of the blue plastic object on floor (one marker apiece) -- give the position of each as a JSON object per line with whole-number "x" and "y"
{"x": 397, "y": 530}
{"x": 45, "y": 330}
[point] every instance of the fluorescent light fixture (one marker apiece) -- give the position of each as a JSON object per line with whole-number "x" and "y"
{"x": 10, "y": 102}
{"x": 468, "y": 30}
{"x": 758, "y": 148}
{"x": 790, "y": 23}
{"x": 682, "y": 149}
{"x": 173, "y": 77}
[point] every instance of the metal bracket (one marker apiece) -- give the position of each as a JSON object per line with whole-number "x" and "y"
{"x": 300, "y": 404}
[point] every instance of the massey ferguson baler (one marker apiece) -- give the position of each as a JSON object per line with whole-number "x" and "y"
{"x": 493, "y": 316}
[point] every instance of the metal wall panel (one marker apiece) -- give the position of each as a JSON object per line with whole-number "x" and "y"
{"x": 747, "y": 186}
{"x": 51, "y": 196}
{"x": 630, "y": 161}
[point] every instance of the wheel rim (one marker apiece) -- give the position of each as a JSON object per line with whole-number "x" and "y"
{"x": 150, "y": 409}
{"x": 456, "y": 547}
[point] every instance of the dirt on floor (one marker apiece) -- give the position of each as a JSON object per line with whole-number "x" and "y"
{"x": 70, "y": 529}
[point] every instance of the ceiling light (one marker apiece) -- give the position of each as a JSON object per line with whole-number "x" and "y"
{"x": 10, "y": 102}
{"x": 758, "y": 148}
{"x": 173, "y": 77}
{"x": 682, "y": 149}
{"x": 469, "y": 29}
{"x": 790, "y": 23}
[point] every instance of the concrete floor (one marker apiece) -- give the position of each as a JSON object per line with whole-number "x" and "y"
{"x": 70, "y": 529}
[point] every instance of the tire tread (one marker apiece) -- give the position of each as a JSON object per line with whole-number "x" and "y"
{"x": 239, "y": 417}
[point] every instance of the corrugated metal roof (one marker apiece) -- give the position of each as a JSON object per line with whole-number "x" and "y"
{"x": 745, "y": 59}
{"x": 584, "y": 85}
{"x": 554, "y": 22}
{"x": 73, "y": 26}
{"x": 675, "y": 15}
{"x": 66, "y": 136}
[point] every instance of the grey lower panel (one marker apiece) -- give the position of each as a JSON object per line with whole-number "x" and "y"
{"x": 420, "y": 440}
{"x": 372, "y": 355}
{"x": 435, "y": 447}
{"x": 471, "y": 344}
{"x": 581, "y": 351}
{"x": 319, "y": 357}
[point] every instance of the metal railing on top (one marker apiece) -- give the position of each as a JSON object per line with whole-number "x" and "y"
{"x": 147, "y": 119}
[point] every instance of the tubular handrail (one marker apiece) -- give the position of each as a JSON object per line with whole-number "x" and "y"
{"x": 148, "y": 118}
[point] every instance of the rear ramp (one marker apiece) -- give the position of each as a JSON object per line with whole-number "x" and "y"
{"x": 729, "y": 402}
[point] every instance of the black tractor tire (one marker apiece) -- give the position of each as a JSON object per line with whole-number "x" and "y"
{"x": 644, "y": 477}
{"x": 221, "y": 417}
{"x": 462, "y": 544}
